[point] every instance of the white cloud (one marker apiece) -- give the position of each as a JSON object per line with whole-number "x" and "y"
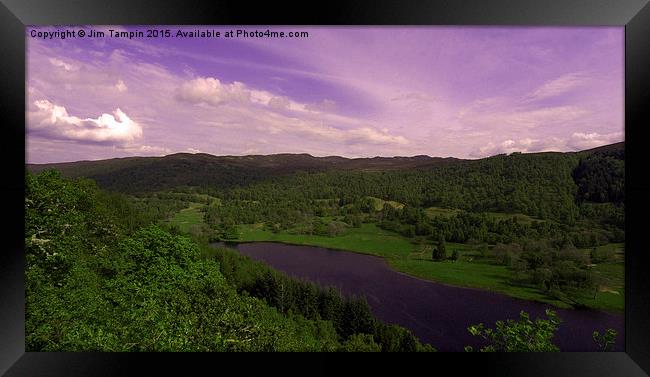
{"x": 121, "y": 87}
{"x": 60, "y": 63}
{"x": 545, "y": 116}
{"x": 578, "y": 141}
{"x": 526, "y": 145}
{"x": 520, "y": 118}
{"x": 326, "y": 105}
{"x": 558, "y": 86}
{"x": 372, "y": 136}
{"x": 273, "y": 123}
{"x": 54, "y": 121}
{"x": 241, "y": 106}
{"x": 280, "y": 103}
{"x": 144, "y": 150}
{"x": 414, "y": 96}
{"x": 213, "y": 92}
{"x": 581, "y": 141}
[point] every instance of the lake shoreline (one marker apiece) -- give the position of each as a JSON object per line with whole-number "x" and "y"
{"x": 386, "y": 261}
{"x": 437, "y": 313}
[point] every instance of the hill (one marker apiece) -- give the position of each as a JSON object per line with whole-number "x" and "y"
{"x": 137, "y": 174}
{"x": 143, "y": 174}
{"x": 102, "y": 276}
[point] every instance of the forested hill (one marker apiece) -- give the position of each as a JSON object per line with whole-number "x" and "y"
{"x": 145, "y": 174}
{"x": 138, "y": 174}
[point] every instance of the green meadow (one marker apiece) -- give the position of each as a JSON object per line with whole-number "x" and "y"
{"x": 188, "y": 217}
{"x": 414, "y": 258}
{"x": 470, "y": 270}
{"x": 379, "y": 203}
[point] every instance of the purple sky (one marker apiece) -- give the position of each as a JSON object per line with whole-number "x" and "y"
{"x": 465, "y": 92}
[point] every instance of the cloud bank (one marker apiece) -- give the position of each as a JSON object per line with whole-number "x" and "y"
{"x": 577, "y": 142}
{"x": 275, "y": 114}
{"x": 54, "y": 121}
{"x": 354, "y": 92}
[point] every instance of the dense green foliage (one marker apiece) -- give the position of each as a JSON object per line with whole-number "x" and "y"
{"x": 574, "y": 194}
{"x": 523, "y": 335}
{"x": 479, "y": 265}
{"x": 605, "y": 341}
{"x": 101, "y": 276}
{"x": 557, "y": 268}
{"x": 539, "y": 185}
{"x": 145, "y": 174}
{"x": 548, "y": 187}
{"x": 94, "y": 283}
{"x": 440, "y": 251}
{"x": 526, "y": 335}
{"x": 600, "y": 177}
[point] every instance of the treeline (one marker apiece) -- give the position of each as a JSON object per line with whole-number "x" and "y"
{"x": 287, "y": 191}
{"x": 101, "y": 277}
{"x": 548, "y": 186}
{"x": 90, "y": 286}
{"x": 142, "y": 175}
{"x": 537, "y": 185}
{"x": 599, "y": 224}
{"x": 600, "y": 177}
{"x": 470, "y": 227}
{"x": 350, "y": 316}
{"x": 540, "y": 185}
{"x": 555, "y": 267}
{"x": 132, "y": 213}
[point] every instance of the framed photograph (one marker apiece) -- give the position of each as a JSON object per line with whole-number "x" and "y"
{"x": 209, "y": 178}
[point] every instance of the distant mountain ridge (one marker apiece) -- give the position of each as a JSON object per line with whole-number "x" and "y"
{"x": 134, "y": 174}
{"x": 302, "y": 160}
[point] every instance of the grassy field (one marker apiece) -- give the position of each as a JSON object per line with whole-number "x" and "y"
{"x": 612, "y": 277}
{"x": 379, "y": 203}
{"x": 188, "y": 217}
{"x": 450, "y": 212}
{"x": 215, "y": 202}
{"x": 369, "y": 239}
{"x": 443, "y": 212}
{"x": 612, "y": 291}
{"x": 524, "y": 219}
{"x": 415, "y": 260}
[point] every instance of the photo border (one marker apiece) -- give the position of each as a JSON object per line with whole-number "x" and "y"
{"x": 15, "y": 15}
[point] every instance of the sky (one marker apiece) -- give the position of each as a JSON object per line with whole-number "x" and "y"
{"x": 465, "y": 92}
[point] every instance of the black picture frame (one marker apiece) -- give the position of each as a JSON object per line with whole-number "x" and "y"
{"x": 16, "y": 14}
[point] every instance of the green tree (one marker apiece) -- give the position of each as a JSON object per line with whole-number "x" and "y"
{"x": 523, "y": 335}
{"x": 606, "y": 341}
{"x": 440, "y": 252}
{"x": 91, "y": 287}
{"x": 483, "y": 250}
{"x": 231, "y": 232}
{"x": 334, "y": 228}
{"x": 360, "y": 343}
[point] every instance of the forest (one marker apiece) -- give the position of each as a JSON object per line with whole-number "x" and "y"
{"x": 102, "y": 276}
{"x": 129, "y": 242}
{"x": 550, "y": 218}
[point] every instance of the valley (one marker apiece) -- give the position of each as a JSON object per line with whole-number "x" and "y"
{"x": 546, "y": 229}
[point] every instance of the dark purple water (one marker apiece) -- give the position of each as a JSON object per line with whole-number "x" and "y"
{"x": 437, "y": 314}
